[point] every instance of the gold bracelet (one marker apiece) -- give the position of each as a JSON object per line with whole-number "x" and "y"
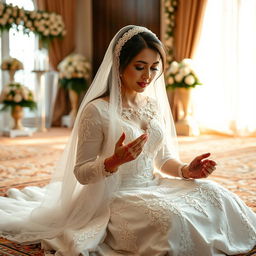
{"x": 180, "y": 173}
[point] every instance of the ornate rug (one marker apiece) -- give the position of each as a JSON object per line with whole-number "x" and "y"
{"x": 29, "y": 161}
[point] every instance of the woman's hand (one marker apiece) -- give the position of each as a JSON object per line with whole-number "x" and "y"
{"x": 199, "y": 167}
{"x": 125, "y": 153}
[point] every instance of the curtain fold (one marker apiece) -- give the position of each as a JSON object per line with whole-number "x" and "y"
{"x": 188, "y": 25}
{"x": 61, "y": 47}
{"x": 226, "y": 61}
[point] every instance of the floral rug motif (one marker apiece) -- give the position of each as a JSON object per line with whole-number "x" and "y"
{"x": 30, "y": 161}
{"x": 8, "y": 248}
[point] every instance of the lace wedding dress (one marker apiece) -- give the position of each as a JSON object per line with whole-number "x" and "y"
{"x": 151, "y": 215}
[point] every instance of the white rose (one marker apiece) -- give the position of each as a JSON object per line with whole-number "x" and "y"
{"x": 15, "y": 13}
{"x": 52, "y": 17}
{"x": 21, "y": 13}
{"x": 46, "y": 32}
{"x": 41, "y": 28}
{"x": 38, "y": 16}
{"x": 8, "y": 10}
{"x": 187, "y": 62}
{"x": 45, "y": 15}
{"x": 18, "y": 21}
{"x": 33, "y": 15}
{"x": 36, "y": 23}
{"x": 171, "y": 9}
{"x": 170, "y": 80}
{"x": 70, "y": 69}
{"x": 28, "y": 24}
{"x": 10, "y": 21}
{"x": 178, "y": 77}
{"x": 185, "y": 71}
{"x": 6, "y": 16}
{"x": 174, "y": 67}
{"x": 190, "y": 80}
{"x": 17, "y": 98}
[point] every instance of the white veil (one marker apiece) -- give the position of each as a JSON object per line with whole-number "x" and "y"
{"x": 65, "y": 205}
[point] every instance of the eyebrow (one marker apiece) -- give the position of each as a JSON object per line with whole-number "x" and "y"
{"x": 144, "y": 62}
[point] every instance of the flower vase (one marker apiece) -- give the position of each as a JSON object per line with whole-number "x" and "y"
{"x": 17, "y": 115}
{"x": 74, "y": 98}
{"x": 11, "y": 75}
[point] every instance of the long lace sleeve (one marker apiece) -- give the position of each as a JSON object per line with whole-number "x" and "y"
{"x": 89, "y": 166}
{"x": 162, "y": 156}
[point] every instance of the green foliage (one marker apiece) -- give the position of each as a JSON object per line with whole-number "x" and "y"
{"x": 78, "y": 85}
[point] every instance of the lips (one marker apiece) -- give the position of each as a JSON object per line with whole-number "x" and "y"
{"x": 142, "y": 84}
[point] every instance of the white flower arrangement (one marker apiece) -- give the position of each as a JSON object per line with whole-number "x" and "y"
{"x": 170, "y": 7}
{"x": 45, "y": 24}
{"x": 74, "y": 72}
{"x": 16, "y": 94}
{"x": 11, "y": 64}
{"x": 182, "y": 75}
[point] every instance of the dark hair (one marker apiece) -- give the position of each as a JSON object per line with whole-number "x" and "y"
{"x": 136, "y": 44}
{"x": 133, "y": 47}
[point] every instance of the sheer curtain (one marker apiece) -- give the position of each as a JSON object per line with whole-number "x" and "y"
{"x": 226, "y": 64}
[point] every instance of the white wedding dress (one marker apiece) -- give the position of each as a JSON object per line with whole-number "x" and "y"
{"x": 153, "y": 216}
{"x": 149, "y": 215}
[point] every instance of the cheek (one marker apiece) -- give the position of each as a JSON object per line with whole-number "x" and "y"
{"x": 131, "y": 75}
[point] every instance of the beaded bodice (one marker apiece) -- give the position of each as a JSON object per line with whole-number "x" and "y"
{"x": 141, "y": 169}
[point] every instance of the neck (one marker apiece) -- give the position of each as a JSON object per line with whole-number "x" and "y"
{"x": 131, "y": 99}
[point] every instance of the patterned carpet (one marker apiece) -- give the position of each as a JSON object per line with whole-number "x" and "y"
{"x": 27, "y": 161}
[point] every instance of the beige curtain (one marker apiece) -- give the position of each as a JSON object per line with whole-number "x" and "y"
{"x": 59, "y": 48}
{"x": 188, "y": 24}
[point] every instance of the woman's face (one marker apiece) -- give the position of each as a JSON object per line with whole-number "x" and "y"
{"x": 140, "y": 71}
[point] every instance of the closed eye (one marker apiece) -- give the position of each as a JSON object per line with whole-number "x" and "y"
{"x": 139, "y": 68}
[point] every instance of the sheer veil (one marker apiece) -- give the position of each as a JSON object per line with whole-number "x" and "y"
{"x": 64, "y": 205}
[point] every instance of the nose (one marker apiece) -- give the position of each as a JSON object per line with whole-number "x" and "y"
{"x": 146, "y": 75}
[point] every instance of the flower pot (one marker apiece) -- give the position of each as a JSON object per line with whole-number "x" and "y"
{"x": 17, "y": 115}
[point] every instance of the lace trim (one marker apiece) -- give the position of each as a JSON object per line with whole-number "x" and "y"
{"x": 159, "y": 211}
{"x": 126, "y": 37}
{"x": 127, "y": 238}
{"x": 81, "y": 237}
{"x": 148, "y": 112}
{"x": 87, "y": 125}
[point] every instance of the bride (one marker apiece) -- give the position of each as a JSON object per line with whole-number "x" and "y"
{"x": 120, "y": 188}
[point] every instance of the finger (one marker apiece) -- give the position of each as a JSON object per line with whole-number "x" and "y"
{"x": 213, "y": 163}
{"x": 121, "y": 140}
{"x": 137, "y": 141}
{"x": 139, "y": 146}
{"x": 205, "y": 173}
{"x": 201, "y": 157}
